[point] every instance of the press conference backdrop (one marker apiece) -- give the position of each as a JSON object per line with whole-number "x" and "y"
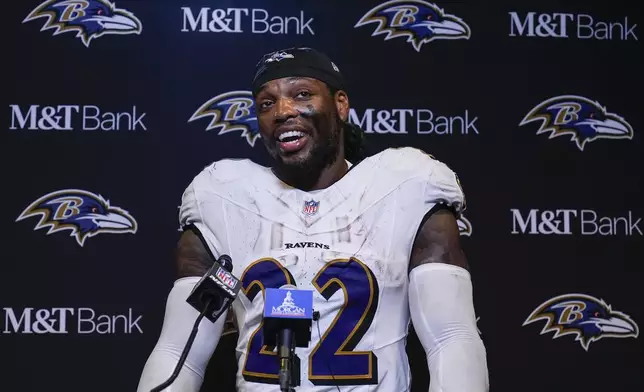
{"x": 112, "y": 108}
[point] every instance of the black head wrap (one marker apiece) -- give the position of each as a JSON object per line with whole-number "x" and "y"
{"x": 304, "y": 62}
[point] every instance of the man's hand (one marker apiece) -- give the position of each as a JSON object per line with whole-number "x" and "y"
{"x": 230, "y": 327}
{"x": 438, "y": 241}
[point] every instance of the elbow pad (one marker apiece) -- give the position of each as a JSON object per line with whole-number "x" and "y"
{"x": 177, "y": 325}
{"x": 442, "y": 311}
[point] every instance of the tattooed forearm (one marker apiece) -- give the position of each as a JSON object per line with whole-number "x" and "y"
{"x": 438, "y": 241}
{"x": 192, "y": 257}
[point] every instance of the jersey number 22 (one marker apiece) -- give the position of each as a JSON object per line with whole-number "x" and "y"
{"x": 332, "y": 361}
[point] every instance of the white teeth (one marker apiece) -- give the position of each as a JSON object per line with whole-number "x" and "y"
{"x": 290, "y": 134}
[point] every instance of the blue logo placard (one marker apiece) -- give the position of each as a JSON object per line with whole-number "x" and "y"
{"x": 288, "y": 303}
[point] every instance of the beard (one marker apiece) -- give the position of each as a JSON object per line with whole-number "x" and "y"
{"x": 303, "y": 172}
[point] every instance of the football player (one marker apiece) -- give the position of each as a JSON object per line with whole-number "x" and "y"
{"x": 375, "y": 239}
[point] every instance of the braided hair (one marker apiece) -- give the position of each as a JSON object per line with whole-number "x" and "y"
{"x": 354, "y": 138}
{"x": 354, "y": 143}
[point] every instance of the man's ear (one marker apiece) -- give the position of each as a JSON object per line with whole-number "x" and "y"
{"x": 341, "y": 101}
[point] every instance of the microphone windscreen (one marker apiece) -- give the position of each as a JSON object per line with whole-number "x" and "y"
{"x": 226, "y": 262}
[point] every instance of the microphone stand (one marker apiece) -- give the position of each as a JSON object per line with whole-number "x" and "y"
{"x": 289, "y": 365}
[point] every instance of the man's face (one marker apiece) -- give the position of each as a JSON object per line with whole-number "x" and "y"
{"x": 300, "y": 121}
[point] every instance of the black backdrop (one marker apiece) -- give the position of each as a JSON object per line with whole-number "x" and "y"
{"x": 521, "y": 186}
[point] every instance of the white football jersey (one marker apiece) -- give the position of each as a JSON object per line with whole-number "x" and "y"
{"x": 349, "y": 243}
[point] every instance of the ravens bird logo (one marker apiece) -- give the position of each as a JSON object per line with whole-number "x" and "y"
{"x": 83, "y": 213}
{"x": 421, "y": 22}
{"x": 583, "y": 119}
{"x": 232, "y": 111}
{"x": 464, "y": 226}
{"x": 587, "y": 318}
{"x": 278, "y": 56}
{"x": 88, "y": 18}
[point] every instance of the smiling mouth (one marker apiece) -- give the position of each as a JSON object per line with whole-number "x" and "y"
{"x": 290, "y": 136}
{"x": 292, "y": 141}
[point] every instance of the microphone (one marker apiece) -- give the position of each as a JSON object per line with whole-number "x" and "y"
{"x": 211, "y": 296}
{"x": 288, "y": 314}
{"x": 216, "y": 290}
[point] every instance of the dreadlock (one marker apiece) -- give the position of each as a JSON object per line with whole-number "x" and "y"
{"x": 354, "y": 138}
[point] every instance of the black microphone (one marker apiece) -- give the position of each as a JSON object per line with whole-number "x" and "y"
{"x": 287, "y": 324}
{"x": 211, "y": 296}
{"x": 216, "y": 290}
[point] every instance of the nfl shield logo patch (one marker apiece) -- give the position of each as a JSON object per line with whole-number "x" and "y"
{"x": 310, "y": 207}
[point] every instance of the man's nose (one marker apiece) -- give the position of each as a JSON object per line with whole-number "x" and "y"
{"x": 285, "y": 109}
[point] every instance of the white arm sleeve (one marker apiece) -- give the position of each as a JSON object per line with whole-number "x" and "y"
{"x": 177, "y": 325}
{"x": 442, "y": 311}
